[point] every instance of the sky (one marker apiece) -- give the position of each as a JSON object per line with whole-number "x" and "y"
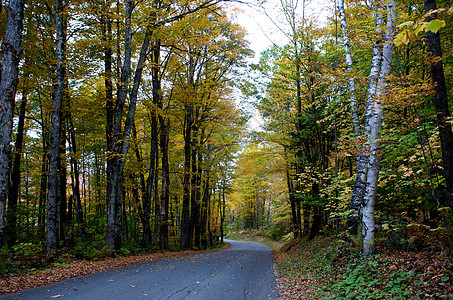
{"x": 260, "y": 20}
{"x": 264, "y": 24}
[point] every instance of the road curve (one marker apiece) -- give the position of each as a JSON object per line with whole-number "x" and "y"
{"x": 243, "y": 271}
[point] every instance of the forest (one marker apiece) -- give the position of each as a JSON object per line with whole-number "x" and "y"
{"x": 125, "y": 126}
{"x": 357, "y": 137}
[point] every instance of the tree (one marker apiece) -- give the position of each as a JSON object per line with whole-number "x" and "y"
{"x": 11, "y": 54}
{"x": 54, "y": 185}
{"x": 376, "y": 110}
{"x": 353, "y": 218}
{"x": 440, "y": 100}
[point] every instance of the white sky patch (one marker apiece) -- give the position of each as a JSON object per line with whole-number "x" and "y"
{"x": 266, "y": 26}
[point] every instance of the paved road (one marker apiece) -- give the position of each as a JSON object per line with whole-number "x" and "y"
{"x": 244, "y": 271}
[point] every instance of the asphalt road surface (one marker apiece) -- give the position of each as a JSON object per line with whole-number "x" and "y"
{"x": 243, "y": 271}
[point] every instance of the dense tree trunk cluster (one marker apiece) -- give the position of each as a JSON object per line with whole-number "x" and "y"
{"x": 83, "y": 119}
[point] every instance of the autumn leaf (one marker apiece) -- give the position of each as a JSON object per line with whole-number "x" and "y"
{"x": 435, "y": 25}
{"x": 402, "y": 38}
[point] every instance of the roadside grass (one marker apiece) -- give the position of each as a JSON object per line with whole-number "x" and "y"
{"x": 327, "y": 268}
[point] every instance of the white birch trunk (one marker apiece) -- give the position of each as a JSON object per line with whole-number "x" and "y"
{"x": 375, "y": 123}
{"x": 348, "y": 59}
{"x": 362, "y": 156}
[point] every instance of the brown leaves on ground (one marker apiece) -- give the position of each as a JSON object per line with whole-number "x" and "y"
{"x": 75, "y": 268}
{"x": 307, "y": 269}
{"x": 291, "y": 282}
{"x": 434, "y": 270}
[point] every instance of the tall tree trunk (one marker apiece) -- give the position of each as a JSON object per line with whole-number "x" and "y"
{"x": 15, "y": 174}
{"x": 44, "y": 174}
{"x": 156, "y": 202}
{"x": 353, "y": 218}
{"x": 204, "y": 212}
{"x": 106, "y": 23}
{"x": 441, "y": 101}
{"x": 194, "y": 205}
{"x": 377, "y": 112}
{"x": 64, "y": 226}
{"x": 147, "y": 235}
{"x": 114, "y": 142}
{"x": 198, "y": 174}
{"x": 165, "y": 194}
{"x": 119, "y": 144}
{"x": 147, "y": 199}
{"x": 11, "y": 53}
{"x": 54, "y": 190}
{"x": 76, "y": 179}
{"x": 185, "y": 215}
{"x": 348, "y": 59}
{"x": 138, "y": 157}
{"x": 362, "y": 159}
{"x": 292, "y": 199}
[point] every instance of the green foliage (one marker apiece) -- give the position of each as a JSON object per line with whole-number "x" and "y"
{"x": 277, "y": 230}
{"x": 26, "y": 249}
{"x": 91, "y": 248}
{"x": 329, "y": 270}
{"x": 363, "y": 279}
{"x": 21, "y": 258}
{"x": 446, "y": 217}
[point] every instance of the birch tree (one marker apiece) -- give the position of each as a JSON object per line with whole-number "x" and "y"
{"x": 376, "y": 112}
{"x": 353, "y": 218}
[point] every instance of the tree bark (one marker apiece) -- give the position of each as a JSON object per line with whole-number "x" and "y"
{"x": 185, "y": 215}
{"x": 44, "y": 174}
{"x": 114, "y": 171}
{"x": 165, "y": 194}
{"x": 348, "y": 59}
{"x": 377, "y": 112}
{"x": 119, "y": 144}
{"x": 64, "y": 220}
{"x": 11, "y": 54}
{"x": 204, "y": 212}
{"x": 362, "y": 156}
{"x": 54, "y": 191}
{"x": 441, "y": 101}
{"x": 353, "y": 217}
{"x": 76, "y": 179}
{"x": 15, "y": 174}
{"x": 194, "y": 203}
{"x": 292, "y": 200}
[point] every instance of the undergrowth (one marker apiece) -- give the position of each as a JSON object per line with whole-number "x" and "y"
{"x": 325, "y": 268}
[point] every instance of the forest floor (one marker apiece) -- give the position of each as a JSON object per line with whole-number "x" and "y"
{"x": 326, "y": 268}
{"x": 25, "y": 278}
